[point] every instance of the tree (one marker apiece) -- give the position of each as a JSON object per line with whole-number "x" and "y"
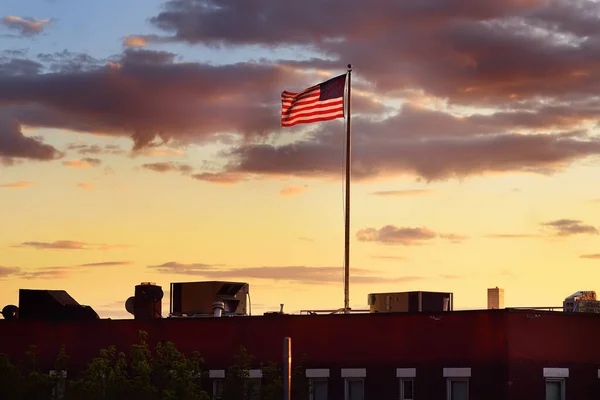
{"x": 166, "y": 374}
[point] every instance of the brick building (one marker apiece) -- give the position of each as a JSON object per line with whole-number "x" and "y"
{"x": 476, "y": 355}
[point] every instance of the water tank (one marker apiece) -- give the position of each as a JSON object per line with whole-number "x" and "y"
{"x": 147, "y": 302}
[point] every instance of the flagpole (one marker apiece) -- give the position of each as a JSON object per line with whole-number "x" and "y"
{"x": 347, "y": 212}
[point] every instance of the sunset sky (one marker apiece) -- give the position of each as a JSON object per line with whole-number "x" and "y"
{"x": 140, "y": 140}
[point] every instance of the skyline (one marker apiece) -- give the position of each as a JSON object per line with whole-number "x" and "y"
{"x": 142, "y": 142}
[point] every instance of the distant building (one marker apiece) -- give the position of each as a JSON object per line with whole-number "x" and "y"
{"x": 411, "y": 302}
{"x": 582, "y": 301}
{"x": 495, "y": 298}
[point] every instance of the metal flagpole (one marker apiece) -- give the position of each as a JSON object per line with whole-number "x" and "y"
{"x": 347, "y": 232}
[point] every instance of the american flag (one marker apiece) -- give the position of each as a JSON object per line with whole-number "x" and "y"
{"x": 321, "y": 102}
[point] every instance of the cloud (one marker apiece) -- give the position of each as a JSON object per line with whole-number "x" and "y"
{"x": 92, "y": 161}
{"x": 391, "y": 234}
{"x": 135, "y": 41}
{"x": 86, "y": 162}
{"x": 130, "y": 93}
{"x": 468, "y": 51}
{"x": 55, "y": 272}
{"x": 70, "y": 245}
{"x": 221, "y": 178}
{"x": 451, "y": 276}
{"x": 290, "y": 190}
{"x": 402, "y": 193}
{"x": 168, "y": 166}
{"x": 19, "y": 66}
{"x": 590, "y": 256}
{"x": 7, "y": 272}
{"x": 85, "y": 186}
{"x": 301, "y": 274}
{"x": 16, "y": 185}
{"x": 45, "y": 273}
{"x": 453, "y": 237}
{"x": 13, "y": 144}
{"x": 106, "y": 264}
{"x": 26, "y": 26}
{"x": 85, "y": 149}
{"x": 570, "y": 227}
{"x": 377, "y": 154}
{"x": 63, "y": 272}
{"x": 512, "y": 236}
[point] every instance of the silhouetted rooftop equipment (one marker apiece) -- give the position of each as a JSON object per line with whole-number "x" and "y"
{"x": 51, "y": 305}
{"x": 411, "y": 302}
{"x": 147, "y": 302}
{"x": 189, "y": 299}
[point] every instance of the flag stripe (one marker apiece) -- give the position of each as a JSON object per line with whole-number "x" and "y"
{"x": 311, "y": 104}
{"x": 308, "y": 109}
{"x": 321, "y": 102}
{"x": 287, "y": 104}
{"x": 312, "y": 117}
{"x": 306, "y": 120}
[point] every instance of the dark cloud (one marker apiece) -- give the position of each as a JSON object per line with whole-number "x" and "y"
{"x": 391, "y": 234}
{"x": 19, "y": 66}
{"x": 402, "y": 193}
{"x": 570, "y": 227}
{"x": 168, "y": 167}
{"x": 466, "y": 50}
{"x": 92, "y": 161}
{"x": 25, "y": 26}
{"x": 146, "y": 95}
{"x": 376, "y": 155}
{"x": 302, "y": 274}
{"x": 69, "y": 62}
{"x": 13, "y": 144}
{"x": 274, "y": 23}
{"x": 590, "y": 256}
{"x": 70, "y": 245}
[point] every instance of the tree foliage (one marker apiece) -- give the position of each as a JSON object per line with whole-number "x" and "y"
{"x": 161, "y": 373}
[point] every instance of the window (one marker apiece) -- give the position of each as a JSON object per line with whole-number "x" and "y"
{"x": 355, "y": 389}
{"x": 458, "y": 389}
{"x": 407, "y": 389}
{"x": 318, "y": 389}
{"x": 218, "y": 385}
{"x": 555, "y": 389}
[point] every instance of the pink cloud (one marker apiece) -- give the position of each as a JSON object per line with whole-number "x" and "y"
{"x": 289, "y": 190}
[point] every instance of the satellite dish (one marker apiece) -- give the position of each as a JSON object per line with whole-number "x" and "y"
{"x": 129, "y": 305}
{"x": 10, "y": 312}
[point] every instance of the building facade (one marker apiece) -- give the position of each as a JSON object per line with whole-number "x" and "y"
{"x": 460, "y": 355}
